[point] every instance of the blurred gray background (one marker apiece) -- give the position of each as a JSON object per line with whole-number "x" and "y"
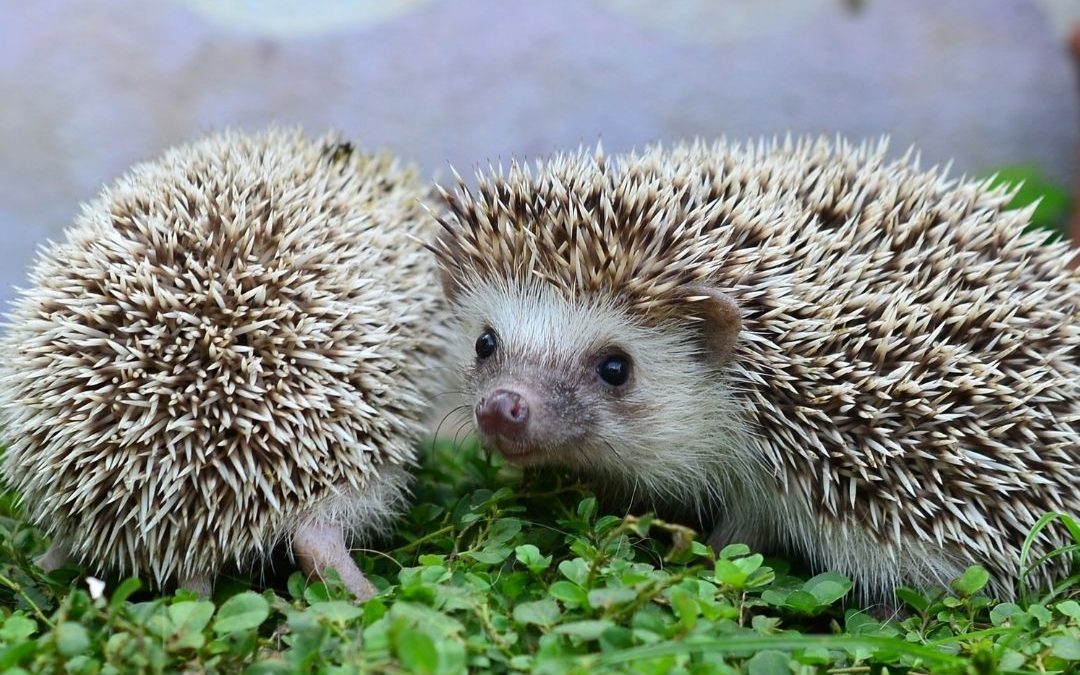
{"x": 90, "y": 87}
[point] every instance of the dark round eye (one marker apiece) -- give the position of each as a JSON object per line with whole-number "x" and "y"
{"x": 485, "y": 344}
{"x": 615, "y": 370}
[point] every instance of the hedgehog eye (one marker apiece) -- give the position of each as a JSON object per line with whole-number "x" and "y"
{"x": 614, "y": 370}
{"x": 485, "y": 344}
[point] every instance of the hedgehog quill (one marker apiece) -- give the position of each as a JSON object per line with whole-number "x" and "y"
{"x": 814, "y": 348}
{"x": 226, "y": 352}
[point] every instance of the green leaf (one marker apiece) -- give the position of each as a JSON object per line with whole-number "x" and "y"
{"x": 71, "y": 638}
{"x": 605, "y": 524}
{"x": 296, "y": 585}
{"x": 827, "y": 588}
{"x": 306, "y": 635}
{"x": 700, "y": 549}
{"x": 1041, "y": 614}
{"x": 529, "y": 556}
{"x": 686, "y": 606}
{"x": 765, "y": 625}
{"x": 417, "y": 652}
{"x": 750, "y": 563}
{"x": 769, "y": 662}
{"x": 16, "y": 653}
{"x": 775, "y": 597}
{"x": 570, "y": 593}
{"x": 584, "y": 630}
{"x": 576, "y": 570}
{"x": 802, "y": 601}
{"x": 490, "y": 555}
{"x": 1011, "y": 660}
{"x": 815, "y": 655}
{"x": 586, "y": 508}
{"x": 1070, "y": 608}
{"x": 1066, "y": 647}
{"x": 539, "y": 612}
{"x": 912, "y": 598}
{"x": 188, "y": 620}
{"x": 972, "y": 581}
{"x": 336, "y": 611}
{"x": 82, "y": 664}
{"x": 374, "y": 609}
{"x": 316, "y": 593}
{"x": 605, "y": 598}
{"x": 1004, "y": 612}
{"x": 734, "y": 551}
{"x": 241, "y": 612}
{"x": 271, "y": 666}
{"x": 735, "y": 573}
{"x": 124, "y": 591}
{"x": 17, "y": 627}
{"x": 504, "y": 530}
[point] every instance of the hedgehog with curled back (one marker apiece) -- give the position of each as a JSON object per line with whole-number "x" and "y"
{"x": 811, "y": 347}
{"x": 227, "y": 351}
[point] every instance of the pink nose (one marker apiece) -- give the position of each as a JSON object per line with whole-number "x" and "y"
{"x": 505, "y": 413}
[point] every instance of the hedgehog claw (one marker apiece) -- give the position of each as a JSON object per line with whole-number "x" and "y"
{"x": 318, "y": 547}
{"x": 55, "y": 557}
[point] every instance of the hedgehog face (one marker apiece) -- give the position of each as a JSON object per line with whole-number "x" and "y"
{"x": 585, "y": 384}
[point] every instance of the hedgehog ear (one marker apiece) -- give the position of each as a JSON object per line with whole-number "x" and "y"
{"x": 722, "y": 322}
{"x": 449, "y": 287}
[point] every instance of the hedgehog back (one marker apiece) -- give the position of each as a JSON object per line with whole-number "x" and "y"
{"x": 226, "y": 338}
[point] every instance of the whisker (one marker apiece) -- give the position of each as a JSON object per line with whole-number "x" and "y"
{"x": 450, "y": 392}
{"x": 633, "y": 496}
{"x": 456, "y": 409}
{"x": 611, "y": 447}
{"x": 435, "y": 436}
{"x": 464, "y": 426}
{"x": 581, "y": 452}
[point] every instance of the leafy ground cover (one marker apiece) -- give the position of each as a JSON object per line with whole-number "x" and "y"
{"x": 494, "y": 573}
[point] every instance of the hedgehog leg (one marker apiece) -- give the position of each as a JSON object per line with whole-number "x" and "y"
{"x": 318, "y": 547}
{"x": 55, "y": 557}
{"x": 200, "y": 584}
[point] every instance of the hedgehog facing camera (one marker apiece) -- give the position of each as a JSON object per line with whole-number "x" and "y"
{"x": 227, "y": 352}
{"x": 805, "y": 346}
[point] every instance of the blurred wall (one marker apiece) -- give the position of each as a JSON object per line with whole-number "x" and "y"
{"x": 89, "y": 87}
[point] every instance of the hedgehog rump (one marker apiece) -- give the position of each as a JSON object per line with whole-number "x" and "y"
{"x": 228, "y": 338}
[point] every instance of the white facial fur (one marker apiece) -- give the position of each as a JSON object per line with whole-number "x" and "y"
{"x": 670, "y": 434}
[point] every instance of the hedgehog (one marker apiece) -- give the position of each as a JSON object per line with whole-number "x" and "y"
{"x": 226, "y": 353}
{"x": 811, "y": 347}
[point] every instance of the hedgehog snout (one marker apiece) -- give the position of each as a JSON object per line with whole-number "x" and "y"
{"x": 504, "y": 413}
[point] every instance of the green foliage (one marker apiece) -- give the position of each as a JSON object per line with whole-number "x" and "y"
{"x": 494, "y": 572}
{"x": 1052, "y": 202}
